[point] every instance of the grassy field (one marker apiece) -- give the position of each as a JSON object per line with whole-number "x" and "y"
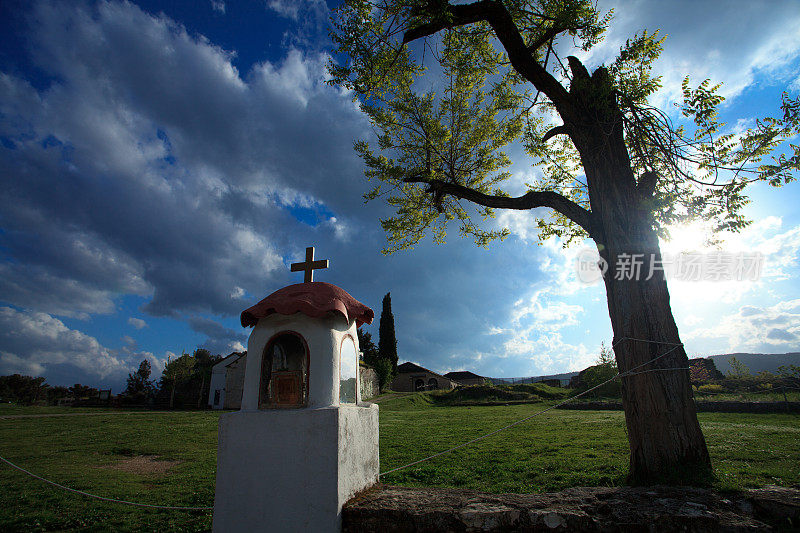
{"x": 8, "y": 409}
{"x": 93, "y": 453}
{"x": 169, "y": 458}
{"x": 561, "y": 449}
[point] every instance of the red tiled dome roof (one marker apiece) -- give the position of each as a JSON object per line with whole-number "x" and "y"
{"x": 314, "y": 299}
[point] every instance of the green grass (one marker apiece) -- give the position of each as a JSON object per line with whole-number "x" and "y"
{"x": 7, "y": 409}
{"x": 76, "y": 451}
{"x": 554, "y": 451}
{"x": 562, "y": 448}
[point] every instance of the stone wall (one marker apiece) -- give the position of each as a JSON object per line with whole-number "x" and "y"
{"x": 715, "y": 407}
{"x": 399, "y": 509}
{"x": 370, "y": 385}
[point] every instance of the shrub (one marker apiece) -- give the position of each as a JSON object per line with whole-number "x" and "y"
{"x": 386, "y": 373}
{"x": 597, "y": 374}
{"x": 710, "y": 387}
{"x": 738, "y": 370}
{"x": 542, "y": 390}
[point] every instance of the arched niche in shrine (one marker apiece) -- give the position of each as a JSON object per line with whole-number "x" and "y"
{"x": 348, "y": 371}
{"x": 284, "y": 372}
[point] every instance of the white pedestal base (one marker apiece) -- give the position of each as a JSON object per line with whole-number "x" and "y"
{"x": 292, "y": 470}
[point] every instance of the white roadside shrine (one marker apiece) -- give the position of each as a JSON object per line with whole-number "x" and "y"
{"x": 302, "y": 443}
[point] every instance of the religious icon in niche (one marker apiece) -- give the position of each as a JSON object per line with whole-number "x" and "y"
{"x": 348, "y": 371}
{"x": 284, "y": 373}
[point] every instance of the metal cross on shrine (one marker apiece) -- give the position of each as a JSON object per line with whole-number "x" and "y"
{"x": 309, "y": 266}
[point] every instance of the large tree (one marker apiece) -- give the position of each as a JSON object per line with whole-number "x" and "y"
{"x": 175, "y": 376}
{"x": 140, "y": 388}
{"x": 611, "y": 167}
{"x": 387, "y": 340}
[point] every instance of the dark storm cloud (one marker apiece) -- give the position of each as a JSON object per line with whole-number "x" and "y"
{"x": 214, "y": 329}
{"x": 151, "y": 167}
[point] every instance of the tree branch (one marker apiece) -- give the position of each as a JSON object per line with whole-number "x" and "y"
{"x": 530, "y": 200}
{"x": 558, "y": 130}
{"x": 545, "y": 38}
{"x": 498, "y": 17}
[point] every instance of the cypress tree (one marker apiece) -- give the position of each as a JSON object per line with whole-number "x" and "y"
{"x": 387, "y": 342}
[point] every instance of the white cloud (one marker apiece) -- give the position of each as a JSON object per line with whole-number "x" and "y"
{"x": 779, "y": 248}
{"x": 163, "y": 180}
{"x": 747, "y": 40}
{"x": 288, "y": 9}
{"x": 292, "y": 9}
{"x": 771, "y": 329}
{"x": 340, "y": 230}
{"x": 14, "y": 364}
{"x": 33, "y": 341}
{"x": 547, "y": 313}
{"x": 298, "y": 77}
{"x": 37, "y": 344}
{"x": 137, "y": 323}
{"x": 795, "y": 85}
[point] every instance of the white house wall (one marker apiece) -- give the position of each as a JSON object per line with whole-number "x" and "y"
{"x": 217, "y": 384}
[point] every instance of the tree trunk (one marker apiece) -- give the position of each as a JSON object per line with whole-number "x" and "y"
{"x": 666, "y": 442}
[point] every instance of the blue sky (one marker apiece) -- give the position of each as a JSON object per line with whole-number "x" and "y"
{"x": 163, "y": 163}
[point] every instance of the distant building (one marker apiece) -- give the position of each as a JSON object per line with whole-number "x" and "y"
{"x": 411, "y": 378}
{"x": 227, "y": 380}
{"x": 465, "y": 377}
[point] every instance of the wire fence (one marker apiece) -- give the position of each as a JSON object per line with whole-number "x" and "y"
{"x": 113, "y": 500}
{"x": 629, "y": 373}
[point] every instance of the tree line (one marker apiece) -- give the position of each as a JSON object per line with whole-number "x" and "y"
{"x": 28, "y": 390}
{"x": 184, "y": 383}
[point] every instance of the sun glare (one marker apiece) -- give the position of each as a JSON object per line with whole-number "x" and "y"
{"x": 692, "y": 237}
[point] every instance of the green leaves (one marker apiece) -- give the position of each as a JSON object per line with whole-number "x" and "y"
{"x": 702, "y": 174}
{"x": 454, "y": 132}
{"x": 445, "y": 100}
{"x": 632, "y": 70}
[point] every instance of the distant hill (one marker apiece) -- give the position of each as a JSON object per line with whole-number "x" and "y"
{"x": 756, "y": 362}
{"x": 533, "y": 379}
